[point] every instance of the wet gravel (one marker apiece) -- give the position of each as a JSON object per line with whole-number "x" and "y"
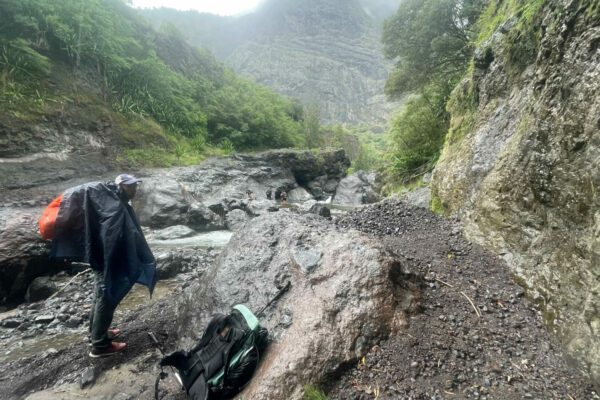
{"x": 44, "y": 343}
{"x": 474, "y": 335}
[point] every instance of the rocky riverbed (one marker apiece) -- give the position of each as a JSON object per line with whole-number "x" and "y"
{"x": 458, "y": 327}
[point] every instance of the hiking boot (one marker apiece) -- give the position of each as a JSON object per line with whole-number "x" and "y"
{"x": 114, "y": 348}
{"x": 111, "y": 333}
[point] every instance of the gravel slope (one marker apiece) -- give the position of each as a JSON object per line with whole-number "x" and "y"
{"x": 474, "y": 335}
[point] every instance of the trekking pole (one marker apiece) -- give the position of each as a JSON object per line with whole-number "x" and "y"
{"x": 155, "y": 340}
{"x": 281, "y": 291}
{"x": 67, "y": 284}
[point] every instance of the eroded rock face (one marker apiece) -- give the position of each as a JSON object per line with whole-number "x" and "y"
{"x": 342, "y": 292}
{"x": 525, "y": 179}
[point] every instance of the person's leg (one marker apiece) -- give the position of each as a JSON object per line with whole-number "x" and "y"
{"x": 94, "y": 297}
{"x": 101, "y": 314}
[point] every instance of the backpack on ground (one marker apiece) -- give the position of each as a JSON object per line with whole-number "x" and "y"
{"x": 225, "y": 358}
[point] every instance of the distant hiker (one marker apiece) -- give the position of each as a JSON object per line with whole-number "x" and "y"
{"x": 94, "y": 223}
{"x": 269, "y": 193}
{"x": 283, "y": 196}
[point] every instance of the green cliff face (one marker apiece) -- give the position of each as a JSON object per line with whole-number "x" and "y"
{"x": 521, "y": 163}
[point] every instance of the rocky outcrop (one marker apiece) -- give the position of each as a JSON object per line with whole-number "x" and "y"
{"x": 525, "y": 176}
{"x": 202, "y": 196}
{"x": 356, "y": 189}
{"x": 345, "y": 289}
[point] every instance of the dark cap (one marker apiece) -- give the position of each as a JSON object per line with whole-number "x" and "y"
{"x": 126, "y": 179}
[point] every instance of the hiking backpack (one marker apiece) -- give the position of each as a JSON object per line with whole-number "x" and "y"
{"x": 225, "y": 358}
{"x": 48, "y": 219}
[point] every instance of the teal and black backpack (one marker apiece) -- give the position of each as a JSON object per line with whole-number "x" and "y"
{"x": 224, "y": 359}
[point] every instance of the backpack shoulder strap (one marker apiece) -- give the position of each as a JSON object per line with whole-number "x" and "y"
{"x": 250, "y": 318}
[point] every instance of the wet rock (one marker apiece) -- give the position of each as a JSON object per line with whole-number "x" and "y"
{"x": 236, "y": 219}
{"x": 173, "y": 232}
{"x": 280, "y": 247}
{"x": 23, "y": 254}
{"x": 259, "y": 207}
{"x": 10, "y": 323}
{"x": 171, "y": 263}
{"x": 44, "y": 319}
{"x": 41, "y": 288}
{"x": 73, "y": 322}
{"x": 62, "y": 317}
{"x": 306, "y": 259}
{"x": 88, "y": 377}
{"x": 299, "y": 195}
{"x": 24, "y": 326}
{"x": 161, "y": 203}
{"x": 201, "y": 196}
{"x": 418, "y": 197}
{"x": 320, "y": 210}
{"x": 203, "y": 218}
{"x": 322, "y": 187}
{"x": 356, "y": 189}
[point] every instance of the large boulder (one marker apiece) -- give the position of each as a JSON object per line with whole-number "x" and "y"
{"x": 345, "y": 295}
{"x": 41, "y": 288}
{"x": 23, "y": 254}
{"x": 161, "y": 203}
{"x": 356, "y": 189}
{"x": 299, "y": 194}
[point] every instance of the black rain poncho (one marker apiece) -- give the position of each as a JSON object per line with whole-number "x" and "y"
{"x": 95, "y": 226}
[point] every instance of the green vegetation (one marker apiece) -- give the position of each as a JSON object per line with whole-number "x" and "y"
{"x": 363, "y": 147}
{"x": 431, "y": 40}
{"x": 523, "y": 35}
{"x": 313, "y": 393}
{"x": 98, "y": 58}
{"x": 417, "y": 138}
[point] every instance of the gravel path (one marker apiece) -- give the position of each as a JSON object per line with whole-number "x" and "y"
{"x": 474, "y": 334}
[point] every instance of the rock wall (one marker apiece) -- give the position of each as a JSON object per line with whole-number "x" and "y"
{"x": 525, "y": 176}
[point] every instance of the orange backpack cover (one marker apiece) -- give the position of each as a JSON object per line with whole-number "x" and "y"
{"x": 48, "y": 218}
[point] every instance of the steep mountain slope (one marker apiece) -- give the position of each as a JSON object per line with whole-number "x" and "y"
{"x": 325, "y": 52}
{"x": 89, "y": 89}
{"x": 522, "y": 163}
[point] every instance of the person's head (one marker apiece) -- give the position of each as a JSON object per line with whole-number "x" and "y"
{"x": 127, "y": 185}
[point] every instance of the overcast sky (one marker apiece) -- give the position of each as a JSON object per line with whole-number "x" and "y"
{"x": 220, "y": 7}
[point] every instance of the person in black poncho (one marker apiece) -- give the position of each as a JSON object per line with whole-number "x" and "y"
{"x": 97, "y": 225}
